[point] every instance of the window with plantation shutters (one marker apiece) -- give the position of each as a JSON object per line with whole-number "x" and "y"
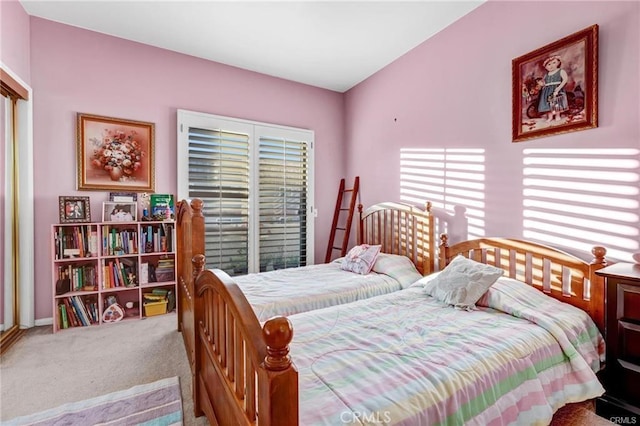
{"x": 282, "y": 206}
{"x": 256, "y": 182}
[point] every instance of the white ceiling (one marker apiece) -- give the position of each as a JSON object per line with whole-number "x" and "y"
{"x": 329, "y": 44}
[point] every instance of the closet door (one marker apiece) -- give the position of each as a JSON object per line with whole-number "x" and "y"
{"x": 8, "y": 212}
{"x": 6, "y": 289}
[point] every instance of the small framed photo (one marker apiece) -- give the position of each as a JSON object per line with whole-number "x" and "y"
{"x": 113, "y": 211}
{"x": 74, "y": 209}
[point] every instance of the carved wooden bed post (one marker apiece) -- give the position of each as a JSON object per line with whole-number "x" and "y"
{"x": 278, "y": 392}
{"x": 597, "y": 290}
{"x": 360, "y": 224}
{"x": 190, "y": 242}
{"x": 198, "y": 262}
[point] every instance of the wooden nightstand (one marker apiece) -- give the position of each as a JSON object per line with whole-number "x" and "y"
{"x": 621, "y": 376}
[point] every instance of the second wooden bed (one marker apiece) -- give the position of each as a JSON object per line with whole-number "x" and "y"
{"x": 245, "y": 374}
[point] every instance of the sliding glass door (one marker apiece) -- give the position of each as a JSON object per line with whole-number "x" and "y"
{"x": 256, "y": 182}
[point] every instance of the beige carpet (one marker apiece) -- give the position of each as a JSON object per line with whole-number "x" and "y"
{"x": 44, "y": 370}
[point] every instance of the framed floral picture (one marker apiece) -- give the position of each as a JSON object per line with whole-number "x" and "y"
{"x": 74, "y": 209}
{"x": 115, "y": 154}
{"x": 555, "y": 87}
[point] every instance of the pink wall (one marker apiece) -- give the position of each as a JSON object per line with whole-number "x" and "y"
{"x": 454, "y": 91}
{"x": 75, "y": 70}
{"x": 14, "y": 38}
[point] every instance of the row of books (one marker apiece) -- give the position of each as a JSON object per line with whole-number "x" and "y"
{"x": 82, "y": 240}
{"x": 119, "y": 241}
{"x": 119, "y": 273}
{"x": 80, "y": 277}
{"x": 75, "y": 241}
{"x": 74, "y": 312}
{"x": 157, "y": 238}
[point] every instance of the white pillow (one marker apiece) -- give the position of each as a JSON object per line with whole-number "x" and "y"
{"x": 360, "y": 259}
{"x": 463, "y": 282}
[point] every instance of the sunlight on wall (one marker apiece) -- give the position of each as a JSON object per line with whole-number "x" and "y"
{"x": 446, "y": 177}
{"x": 578, "y": 198}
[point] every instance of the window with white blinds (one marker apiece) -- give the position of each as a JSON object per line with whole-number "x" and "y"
{"x": 282, "y": 207}
{"x": 256, "y": 182}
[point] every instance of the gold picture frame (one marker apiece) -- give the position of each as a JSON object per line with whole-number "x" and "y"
{"x": 74, "y": 209}
{"x": 115, "y": 154}
{"x": 555, "y": 87}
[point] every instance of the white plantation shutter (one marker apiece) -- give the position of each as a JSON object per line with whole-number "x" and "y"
{"x": 255, "y": 181}
{"x": 283, "y": 203}
{"x": 219, "y": 175}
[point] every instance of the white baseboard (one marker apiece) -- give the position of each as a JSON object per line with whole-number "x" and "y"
{"x": 44, "y": 321}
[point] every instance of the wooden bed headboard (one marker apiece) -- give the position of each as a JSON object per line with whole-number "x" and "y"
{"x": 400, "y": 229}
{"x": 558, "y": 274}
{"x": 410, "y": 231}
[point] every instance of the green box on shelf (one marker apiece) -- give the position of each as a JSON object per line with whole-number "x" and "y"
{"x": 159, "y": 203}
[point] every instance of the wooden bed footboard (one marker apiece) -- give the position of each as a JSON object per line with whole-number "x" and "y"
{"x": 558, "y": 274}
{"x": 190, "y": 236}
{"x": 244, "y": 372}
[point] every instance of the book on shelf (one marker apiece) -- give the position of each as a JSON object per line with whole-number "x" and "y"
{"x": 93, "y": 243}
{"x": 78, "y": 308}
{"x": 144, "y": 273}
{"x": 74, "y": 321}
{"x": 63, "y": 316}
{"x": 119, "y": 274}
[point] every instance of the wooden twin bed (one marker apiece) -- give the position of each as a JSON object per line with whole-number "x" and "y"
{"x": 248, "y": 372}
{"x": 400, "y": 229}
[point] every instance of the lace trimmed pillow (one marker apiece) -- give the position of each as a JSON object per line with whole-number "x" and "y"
{"x": 463, "y": 282}
{"x": 360, "y": 259}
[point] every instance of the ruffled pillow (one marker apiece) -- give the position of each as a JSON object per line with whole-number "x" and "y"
{"x": 463, "y": 282}
{"x": 360, "y": 259}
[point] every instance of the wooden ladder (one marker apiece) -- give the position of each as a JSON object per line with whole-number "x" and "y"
{"x": 345, "y": 228}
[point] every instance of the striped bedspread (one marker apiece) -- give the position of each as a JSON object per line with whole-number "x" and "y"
{"x": 295, "y": 290}
{"x": 407, "y": 359}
